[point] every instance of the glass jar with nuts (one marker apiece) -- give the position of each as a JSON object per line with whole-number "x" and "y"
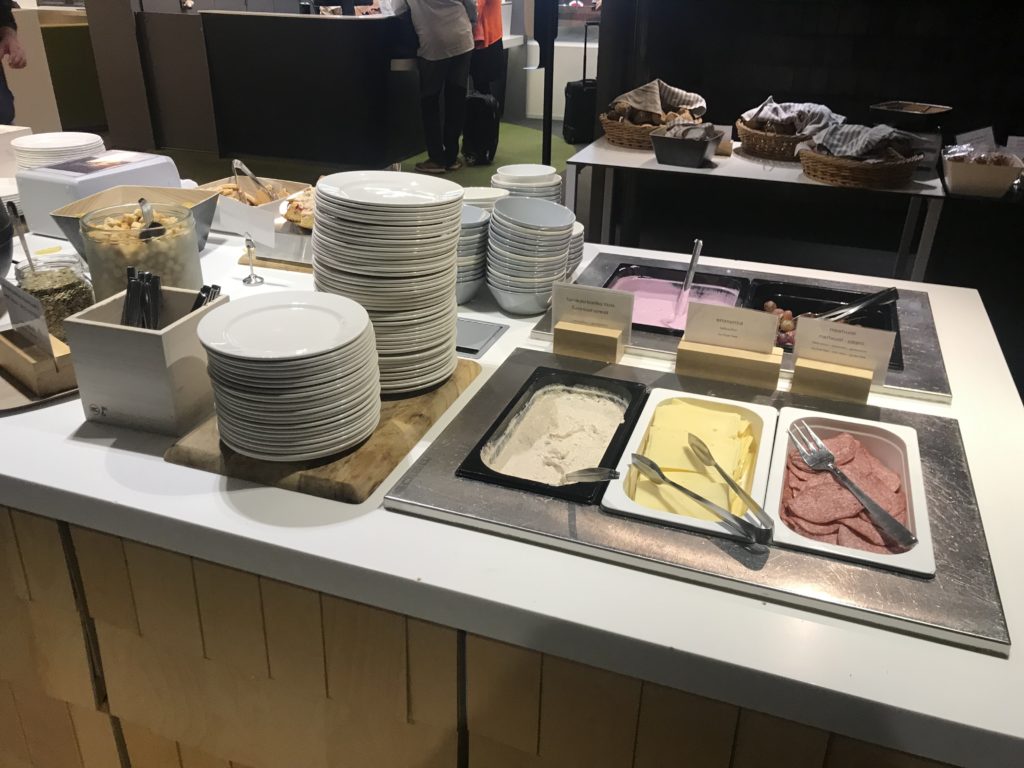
{"x": 117, "y": 238}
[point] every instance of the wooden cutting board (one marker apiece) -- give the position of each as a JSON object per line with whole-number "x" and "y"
{"x": 351, "y": 477}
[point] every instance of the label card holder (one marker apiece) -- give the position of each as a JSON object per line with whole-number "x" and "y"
{"x": 733, "y": 327}
{"x": 590, "y": 322}
{"x": 730, "y": 344}
{"x": 840, "y": 361}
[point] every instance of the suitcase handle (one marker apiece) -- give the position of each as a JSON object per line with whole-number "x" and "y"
{"x": 586, "y": 29}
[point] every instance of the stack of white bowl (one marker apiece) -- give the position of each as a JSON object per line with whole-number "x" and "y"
{"x": 527, "y": 252}
{"x": 390, "y": 241}
{"x": 294, "y": 374}
{"x": 39, "y": 149}
{"x": 576, "y": 247}
{"x": 483, "y": 197}
{"x": 529, "y": 180}
{"x": 472, "y": 253}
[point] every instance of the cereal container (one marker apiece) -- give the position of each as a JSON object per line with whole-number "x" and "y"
{"x": 115, "y": 239}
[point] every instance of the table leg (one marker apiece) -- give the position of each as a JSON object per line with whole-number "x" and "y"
{"x": 606, "y": 206}
{"x": 924, "y": 248}
{"x": 571, "y": 178}
{"x": 907, "y": 238}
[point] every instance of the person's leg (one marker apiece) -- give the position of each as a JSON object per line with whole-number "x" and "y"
{"x": 455, "y": 105}
{"x": 431, "y": 82}
{"x": 478, "y": 71}
{"x": 6, "y": 101}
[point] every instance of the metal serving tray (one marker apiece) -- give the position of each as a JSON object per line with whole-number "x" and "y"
{"x": 960, "y": 606}
{"x": 923, "y": 375}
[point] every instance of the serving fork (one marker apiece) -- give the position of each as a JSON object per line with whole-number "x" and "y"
{"x": 818, "y": 457}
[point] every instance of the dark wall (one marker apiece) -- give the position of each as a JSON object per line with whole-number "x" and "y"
{"x": 847, "y": 54}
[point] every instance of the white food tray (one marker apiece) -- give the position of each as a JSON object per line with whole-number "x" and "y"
{"x": 892, "y": 444}
{"x": 762, "y": 419}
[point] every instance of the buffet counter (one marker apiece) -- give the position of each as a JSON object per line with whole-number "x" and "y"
{"x": 841, "y": 677}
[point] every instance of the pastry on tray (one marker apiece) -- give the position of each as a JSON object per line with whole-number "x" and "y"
{"x": 300, "y": 208}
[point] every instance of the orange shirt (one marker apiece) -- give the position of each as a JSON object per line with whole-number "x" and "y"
{"x": 488, "y": 29}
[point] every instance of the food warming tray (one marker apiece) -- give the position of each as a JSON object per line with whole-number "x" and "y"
{"x": 632, "y": 394}
{"x": 801, "y": 299}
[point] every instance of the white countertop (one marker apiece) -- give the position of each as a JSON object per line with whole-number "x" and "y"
{"x": 904, "y": 692}
{"x": 737, "y": 166}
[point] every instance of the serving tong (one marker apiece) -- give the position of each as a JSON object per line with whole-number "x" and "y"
{"x": 237, "y": 166}
{"x": 590, "y": 475}
{"x": 843, "y": 313}
{"x": 758, "y": 532}
{"x": 150, "y": 228}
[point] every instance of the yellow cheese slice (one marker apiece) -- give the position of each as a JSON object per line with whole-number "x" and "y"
{"x": 668, "y": 499}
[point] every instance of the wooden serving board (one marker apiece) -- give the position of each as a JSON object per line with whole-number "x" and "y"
{"x": 282, "y": 264}
{"x": 351, "y": 477}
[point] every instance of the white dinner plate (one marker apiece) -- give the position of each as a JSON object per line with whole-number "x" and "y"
{"x": 389, "y": 188}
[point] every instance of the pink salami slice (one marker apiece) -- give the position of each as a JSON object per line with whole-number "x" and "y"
{"x": 824, "y": 503}
{"x": 847, "y": 538}
{"x": 864, "y": 528}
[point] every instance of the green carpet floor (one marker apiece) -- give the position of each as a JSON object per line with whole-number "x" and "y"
{"x": 517, "y": 144}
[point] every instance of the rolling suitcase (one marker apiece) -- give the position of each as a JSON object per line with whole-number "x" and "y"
{"x": 580, "y": 103}
{"x": 480, "y": 129}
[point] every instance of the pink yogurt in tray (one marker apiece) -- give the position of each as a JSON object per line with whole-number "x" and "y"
{"x": 662, "y": 303}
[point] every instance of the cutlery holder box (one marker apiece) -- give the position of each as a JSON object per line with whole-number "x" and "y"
{"x": 152, "y": 380}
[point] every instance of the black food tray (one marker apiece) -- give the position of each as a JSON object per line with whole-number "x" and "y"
{"x": 799, "y": 299}
{"x": 740, "y": 284}
{"x": 635, "y": 396}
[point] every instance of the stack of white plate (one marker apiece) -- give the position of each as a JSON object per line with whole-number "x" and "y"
{"x": 527, "y": 252}
{"x": 529, "y": 180}
{"x": 483, "y": 197}
{"x": 294, "y": 374}
{"x": 390, "y": 241}
{"x": 9, "y": 192}
{"x": 472, "y": 253}
{"x": 41, "y": 149}
{"x": 575, "y": 247}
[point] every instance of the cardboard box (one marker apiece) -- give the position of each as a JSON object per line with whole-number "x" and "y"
{"x": 981, "y": 180}
{"x": 153, "y": 380}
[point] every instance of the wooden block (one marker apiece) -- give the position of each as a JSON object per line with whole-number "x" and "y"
{"x": 763, "y": 741}
{"x": 165, "y": 597}
{"x": 104, "y": 569}
{"x": 589, "y": 342}
{"x": 48, "y": 730}
{"x": 503, "y": 693}
{"x": 12, "y": 737}
{"x": 12, "y": 571}
{"x": 295, "y": 639}
{"x": 351, "y": 478}
{"x": 95, "y": 734}
{"x": 46, "y": 568}
{"x": 39, "y": 373}
{"x": 433, "y": 674}
{"x": 588, "y": 716}
{"x": 231, "y": 614}
{"x": 148, "y": 750}
{"x": 738, "y": 366}
{"x": 366, "y": 659}
{"x": 831, "y": 381}
{"x": 196, "y": 758}
{"x": 845, "y": 752}
{"x": 680, "y": 729}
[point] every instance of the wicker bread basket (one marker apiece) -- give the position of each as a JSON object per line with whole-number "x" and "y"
{"x": 772, "y": 146}
{"x": 892, "y": 173}
{"x": 625, "y": 134}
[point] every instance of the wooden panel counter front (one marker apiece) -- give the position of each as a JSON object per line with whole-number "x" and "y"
{"x": 115, "y": 653}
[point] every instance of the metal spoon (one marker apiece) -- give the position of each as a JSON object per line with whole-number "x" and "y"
{"x": 683, "y": 300}
{"x": 19, "y": 230}
{"x": 590, "y": 475}
{"x": 705, "y": 457}
{"x": 150, "y": 228}
{"x": 747, "y": 531}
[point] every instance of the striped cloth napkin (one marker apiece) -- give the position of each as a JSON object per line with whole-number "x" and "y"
{"x": 860, "y": 142}
{"x": 806, "y": 118}
{"x": 661, "y": 98}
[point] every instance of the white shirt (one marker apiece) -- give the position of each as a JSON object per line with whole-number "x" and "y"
{"x": 443, "y": 26}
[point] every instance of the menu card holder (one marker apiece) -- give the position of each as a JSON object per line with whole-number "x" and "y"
{"x": 590, "y": 342}
{"x": 737, "y": 366}
{"x": 831, "y": 380}
{"x": 35, "y": 370}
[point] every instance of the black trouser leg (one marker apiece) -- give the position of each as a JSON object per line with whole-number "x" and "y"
{"x": 432, "y": 77}
{"x": 455, "y": 104}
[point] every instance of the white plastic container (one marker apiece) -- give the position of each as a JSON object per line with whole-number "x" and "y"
{"x": 895, "y": 446}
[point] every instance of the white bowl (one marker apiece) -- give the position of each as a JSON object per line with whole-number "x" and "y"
{"x": 526, "y": 173}
{"x": 517, "y": 242}
{"x": 465, "y": 291}
{"x": 531, "y": 213}
{"x": 521, "y": 303}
